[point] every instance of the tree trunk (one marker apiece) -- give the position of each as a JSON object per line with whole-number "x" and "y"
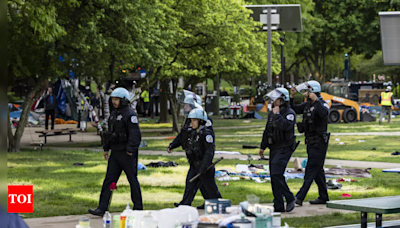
{"x": 112, "y": 64}
{"x": 216, "y": 88}
{"x": 174, "y": 106}
{"x": 14, "y": 140}
{"x": 297, "y": 74}
{"x": 163, "y": 102}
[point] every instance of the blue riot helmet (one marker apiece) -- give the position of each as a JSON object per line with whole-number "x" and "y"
{"x": 122, "y": 93}
{"x": 277, "y": 93}
{"x": 310, "y": 86}
{"x": 198, "y": 114}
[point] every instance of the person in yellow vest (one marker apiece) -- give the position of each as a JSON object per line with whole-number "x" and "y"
{"x": 146, "y": 101}
{"x": 386, "y": 101}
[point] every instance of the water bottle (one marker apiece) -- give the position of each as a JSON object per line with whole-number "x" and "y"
{"x": 107, "y": 220}
{"x": 148, "y": 221}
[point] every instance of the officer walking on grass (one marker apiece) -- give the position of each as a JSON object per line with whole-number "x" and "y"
{"x": 123, "y": 138}
{"x": 314, "y": 125}
{"x": 191, "y": 102}
{"x": 279, "y": 138}
{"x": 199, "y": 148}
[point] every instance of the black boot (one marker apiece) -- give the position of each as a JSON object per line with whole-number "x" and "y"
{"x": 96, "y": 212}
{"x": 290, "y": 206}
{"x": 299, "y": 202}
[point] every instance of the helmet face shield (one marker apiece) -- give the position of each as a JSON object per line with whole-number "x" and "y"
{"x": 186, "y": 97}
{"x": 303, "y": 88}
{"x": 273, "y": 95}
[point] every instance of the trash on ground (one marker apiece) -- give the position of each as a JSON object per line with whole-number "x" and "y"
{"x": 332, "y": 184}
{"x": 141, "y": 166}
{"x": 162, "y": 164}
{"x": 396, "y": 153}
{"x": 362, "y": 173}
{"x": 361, "y": 140}
{"x": 341, "y": 143}
{"x": 345, "y": 195}
{"x": 337, "y": 140}
{"x": 297, "y": 165}
{"x": 345, "y": 180}
{"x": 143, "y": 144}
{"x": 226, "y": 152}
{"x": 304, "y": 163}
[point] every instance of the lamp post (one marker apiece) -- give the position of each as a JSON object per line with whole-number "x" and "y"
{"x": 282, "y": 62}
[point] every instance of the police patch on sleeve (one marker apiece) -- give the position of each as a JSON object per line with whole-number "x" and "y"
{"x": 134, "y": 119}
{"x": 209, "y": 139}
{"x": 290, "y": 117}
{"x": 208, "y": 124}
{"x": 326, "y": 105}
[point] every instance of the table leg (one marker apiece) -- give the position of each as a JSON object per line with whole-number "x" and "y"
{"x": 378, "y": 220}
{"x": 45, "y": 139}
{"x": 364, "y": 219}
{"x": 70, "y": 137}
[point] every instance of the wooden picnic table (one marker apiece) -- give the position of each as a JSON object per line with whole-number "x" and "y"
{"x": 378, "y": 205}
{"x": 56, "y": 132}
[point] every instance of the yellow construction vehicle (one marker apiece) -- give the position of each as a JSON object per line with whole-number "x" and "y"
{"x": 341, "y": 107}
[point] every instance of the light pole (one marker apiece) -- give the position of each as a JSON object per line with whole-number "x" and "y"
{"x": 282, "y": 62}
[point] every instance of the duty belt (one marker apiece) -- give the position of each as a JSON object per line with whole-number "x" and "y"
{"x": 317, "y": 139}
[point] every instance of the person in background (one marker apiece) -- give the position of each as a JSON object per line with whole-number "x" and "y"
{"x": 387, "y": 101}
{"x": 224, "y": 93}
{"x": 50, "y": 105}
{"x": 146, "y": 101}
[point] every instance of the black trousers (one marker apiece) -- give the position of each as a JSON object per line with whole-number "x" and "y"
{"x": 120, "y": 161}
{"x": 315, "y": 171}
{"x": 51, "y": 113}
{"x": 278, "y": 161}
{"x": 206, "y": 181}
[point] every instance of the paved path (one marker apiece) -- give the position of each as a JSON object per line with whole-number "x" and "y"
{"x": 30, "y": 136}
{"x": 216, "y": 128}
{"x": 96, "y": 222}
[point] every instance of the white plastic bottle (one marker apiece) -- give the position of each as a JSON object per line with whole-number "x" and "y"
{"x": 107, "y": 220}
{"x": 149, "y": 221}
{"x": 124, "y": 215}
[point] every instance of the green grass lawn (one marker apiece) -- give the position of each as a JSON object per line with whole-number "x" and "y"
{"x": 63, "y": 189}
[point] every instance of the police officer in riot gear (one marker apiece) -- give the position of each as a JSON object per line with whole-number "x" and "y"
{"x": 191, "y": 102}
{"x": 314, "y": 125}
{"x": 123, "y": 138}
{"x": 279, "y": 138}
{"x": 199, "y": 148}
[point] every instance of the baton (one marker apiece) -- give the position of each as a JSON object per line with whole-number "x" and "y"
{"x": 209, "y": 167}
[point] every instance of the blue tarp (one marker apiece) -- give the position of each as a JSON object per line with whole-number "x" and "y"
{"x": 17, "y": 114}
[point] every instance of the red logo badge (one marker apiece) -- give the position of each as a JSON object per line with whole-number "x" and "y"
{"x": 20, "y": 199}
